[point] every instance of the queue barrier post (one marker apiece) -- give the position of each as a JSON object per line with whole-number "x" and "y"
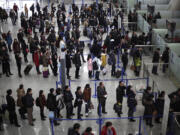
{"x": 140, "y": 122}
{"x": 95, "y": 92}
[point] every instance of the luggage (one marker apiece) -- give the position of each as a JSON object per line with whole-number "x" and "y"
{"x": 118, "y": 73}
{"x": 132, "y": 68}
{"x": 27, "y": 69}
{"x": 45, "y": 72}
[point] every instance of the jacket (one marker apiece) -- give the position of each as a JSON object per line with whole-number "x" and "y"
{"x": 156, "y": 57}
{"x": 125, "y": 58}
{"x": 90, "y": 66}
{"x": 16, "y": 47}
{"x": 165, "y": 56}
{"x": 68, "y": 61}
{"x": 87, "y": 94}
{"x": 120, "y": 92}
{"x": 131, "y": 101}
{"x": 79, "y": 99}
{"x": 68, "y": 97}
{"x": 105, "y": 129}
{"x": 103, "y": 59}
{"x": 10, "y": 103}
{"x": 36, "y": 58}
{"x": 42, "y": 101}
{"x": 51, "y": 102}
{"x": 20, "y": 94}
{"x": 77, "y": 60}
{"x": 29, "y": 101}
{"x": 101, "y": 92}
{"x": 99, "y": 62}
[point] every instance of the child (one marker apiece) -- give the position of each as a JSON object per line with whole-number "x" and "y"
{"x": 118, "y": 108}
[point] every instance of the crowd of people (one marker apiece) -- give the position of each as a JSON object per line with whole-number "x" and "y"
{"x": 46, "y": 46}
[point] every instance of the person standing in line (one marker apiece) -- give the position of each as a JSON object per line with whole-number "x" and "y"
{"x": 113, "y": 59}
{"x": 74, "y": 130}
{"x": 25, "y": 50}
{"x": 36, "y": 58}
{"x": 90, "y": 66}
{"x": 132, "y": 102}
{"x": 60, "y": 102}
{"x": 165, "y": 59}
{"x": 16, "y": 46}
{"x": 120, "y": 92}
{"x": 29, "y": 101}
{"x": 51, "y": 104}
{"x": 97, "y": 62}
{"x": 42, "y": 104}
{"x": 68, "y": 98}
{"x": 155, "y": 60}
{"x": 77, "y": 64}
{"x": 18, "y": 62}
{"x": 20, "y": 94}
{"x": 26, "y": 11}
{"x": 87, "y": 98}
{"x": 78, "y": 102}
{"x": 88, "y": 131}
{"x": 125, "y": 59}
{"x": 102, "y": 96}
{"x": 11, "y": 107}
{"x": 9, "y": 40}
{"x": 68, "y": 64}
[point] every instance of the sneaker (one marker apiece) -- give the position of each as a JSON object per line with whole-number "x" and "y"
{"x": 86, "y": 114}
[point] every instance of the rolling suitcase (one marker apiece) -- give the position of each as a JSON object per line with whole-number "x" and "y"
{"x": 45, "y": 72}
{"x": 27, "y": 69}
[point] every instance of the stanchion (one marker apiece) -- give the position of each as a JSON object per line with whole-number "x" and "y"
{"x": 118, "y": 60}
{"x": 51, "y": 117}
{"x": 95, "y": 92}
{"x": 69, "y": 83}
{"x": 140, "y": 120}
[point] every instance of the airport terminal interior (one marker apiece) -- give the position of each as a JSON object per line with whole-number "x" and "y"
{"x": 133, "y": 43}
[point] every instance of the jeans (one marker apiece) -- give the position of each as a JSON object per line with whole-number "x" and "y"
{"x": 79, "y": 110}
{"x": 87, "y": 106}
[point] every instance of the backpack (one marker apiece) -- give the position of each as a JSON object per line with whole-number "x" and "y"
{"x": 95, "y": 66}
{"x": 37, "y": 101}
{"x": 49, "y": 102}
{"x": 109, "y": 61}
{"x": 71, "y": 131}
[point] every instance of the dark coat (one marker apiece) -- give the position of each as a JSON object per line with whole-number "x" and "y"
{"x": 165, "y": 56}
{"x": 156, "y": 57}
{"x": 77, "y": 60}
{"x": 79, "y": 99}
{"x": 16, "y": 47}
{"x": 131, "y": 101}
{"x": 101, "y": 92}
{"x": 68, "y": 97}
{"x": 29, "y": 101}
{"x": 51, "y": 102}
{"x": 159, "y": 104}
{"x": 125, "y": 58}
{"x": 11, "y": 106}
{"x": 68, "y": 61}
{"x": 120, "y": 92}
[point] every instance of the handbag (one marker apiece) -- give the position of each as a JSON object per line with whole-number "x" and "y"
{"x": 132, "y": 67}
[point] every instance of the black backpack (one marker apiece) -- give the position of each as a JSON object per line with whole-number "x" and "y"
{"x": 95, "y": 66}
{"x": 37, "y": 101}
{"x": 24, "y": 101}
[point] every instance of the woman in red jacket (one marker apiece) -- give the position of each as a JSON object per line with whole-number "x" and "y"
{"x": 108, "y": 129}
{"x": 36, "y": 60}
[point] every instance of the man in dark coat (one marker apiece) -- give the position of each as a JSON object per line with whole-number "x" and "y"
{"x": 77, "y": 61}
{"x": 11, "y": 108}
{"x": 18, "y": 62}
{"x": 113, "y": 59}
{"x": 68, "y": 64}
{"x": 156, "y": 58}
{"x": 120, "y": 92}
{"x": 102, "y": 96}
{"x": 125, "y": 59}
{"x": 165, "y": 59}
{"x": 68, "y": 98}
{"x": 51, "y": 103}
{"x": 29, "y": 103}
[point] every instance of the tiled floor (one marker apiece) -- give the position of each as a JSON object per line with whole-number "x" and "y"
{"x": 37, "y": 82}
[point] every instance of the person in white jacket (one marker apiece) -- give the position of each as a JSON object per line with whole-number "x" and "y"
{"x": 97, "y": 66}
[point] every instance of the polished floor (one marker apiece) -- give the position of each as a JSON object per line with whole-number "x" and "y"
{"x": 37, "y": 82}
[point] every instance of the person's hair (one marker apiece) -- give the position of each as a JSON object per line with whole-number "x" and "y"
{"x": 88, "y": 130}
{"x": 21, "y": 86}
{"x": 76, "y": 126}
{"x": 51, "y": 90}
{"x": 148, "y": 88}
{"x": 100, "y": 83}
{"x": 29, "y": 90}
{"x": 108, "y": 124}
{"x": 87, "y": 86}
{"x": 40, "y": 92}
{"x": 120, "y": 82}
{"x": 9, "y": 92}
{"x": 78, "y": 88}
{"x": 66, "y": 87}
{"x": 162, "y": 94}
